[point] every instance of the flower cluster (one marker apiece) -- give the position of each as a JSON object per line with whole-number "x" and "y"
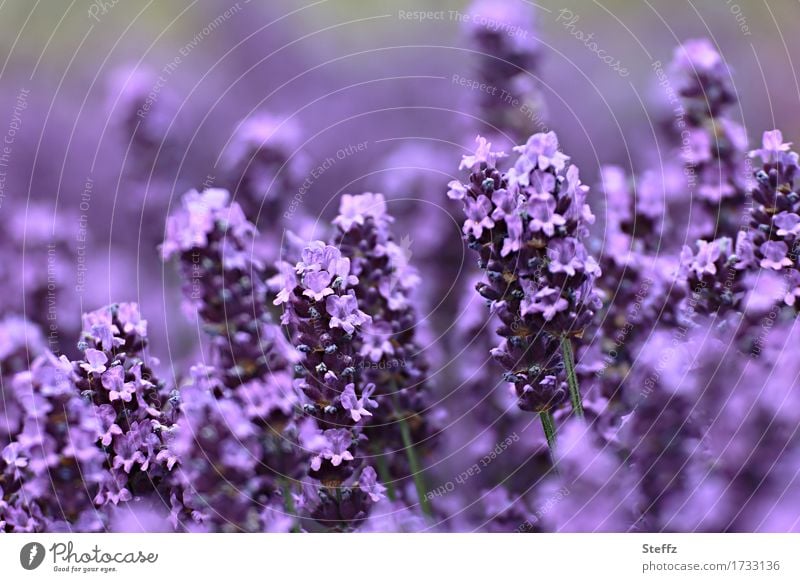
{"x": 325, "y": 321}
{"x": 392, "y": 357}
{"x": 263, "y": 164}
{"x": 775, "y": 217}
{"x": 106, "y": 413}
{"x": 39, "y": 256}
{"x": 136, "y": 411}
{"x": 239, "y": 456}
{"x": 715, "y": 274}
{"x": 53, "y": 470}
{"x": 507, "y": 56}
{"x": 713, "y": 144}
{"x": 224, "y": 285}
{"x": 20, "y": 343}
{"x": 238, "y": 435}
{"x": 528, "y": 226}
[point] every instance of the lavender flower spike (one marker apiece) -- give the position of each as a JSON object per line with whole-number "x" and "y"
{"x": 507, "y": 55}
{"x": 224, "y": 285}
{"x": 540, "y": 274}
{"x": 714, "y": 144}
{"x": 393, "y": 358}
{"x": 325, "y": 321}
{"x": 775, "y": 217}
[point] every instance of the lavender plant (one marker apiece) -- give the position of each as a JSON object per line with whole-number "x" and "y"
{"x": 135, "y": 409}
{"x": 240, "y": 456}
{"x": 387, "y": 346}
{"x": 325, "y": 322}
{"x": 263, "y": 164}
{"x": 507, "y": 56}
{"x": 776, "y": 213}
{"x": 714, "y": 144}
{"x": 244, "y": 407}
{"x": 224, "y": 285}
{"x": 53, "y": 470}
{"x": 527, "y": 226}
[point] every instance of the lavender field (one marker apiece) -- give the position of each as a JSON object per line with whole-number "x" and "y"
{"x": 336, "y": 266}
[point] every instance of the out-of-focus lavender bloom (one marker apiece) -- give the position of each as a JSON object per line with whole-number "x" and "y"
{"x": 238, "y": 454}
{"x": 717, "y": 453}
{"x": 635, "y": 219}
{"x": 53, "y": 470}
{"x": 20, "y": 343}
{"x": 145, "y": 126}
{"x": 539, "y": 271}
{"x": 593, "y": 492}
{"x": 224, "y": 285}
{"x": 392, "y": 356}
{"x": 661, "y": 431}
{"x": 41, "y": 261}
{"x": 713, "y": 144}
{"x": 345, "y": 506}
{"x": 507, "y": 55}
{"x": 265, "y": 166}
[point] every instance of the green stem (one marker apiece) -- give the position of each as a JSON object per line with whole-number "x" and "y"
{"x": 572, "y": 378}
{"x": 413, "y": 463}
{"x": 549, "y": 426}
{"x": 383, "y": 471}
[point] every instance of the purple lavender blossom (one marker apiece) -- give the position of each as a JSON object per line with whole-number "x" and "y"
{"x": 593, "y": 492}
{"x": 53, "y": 470}
{"x": 392, "y": 355}
{"x": 541, "y": 286}
{"x": 238, "y": 456}
{"x": 714, "y": 144}
{"x": 330, "y": 376}
{"x": 507, "y": 55}
{"x": 136, "y": 411}
{"x": 774, "y": 236}
{"x": 225, "y": 285}
{"x": 715, "y": 274}
{"x": 20, "y": 343}
{"x": 264, "y": 165}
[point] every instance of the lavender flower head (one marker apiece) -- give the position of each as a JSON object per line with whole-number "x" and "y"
{"x": 508, "y": 53}
{"x": 392, "y": 357}
{"x": 238, "y": 454}
{"x": 775, "y": 216}
{"x": 136, "y": 410}
{"x": 714, "y": 144}
{"x": 20, "y": 343}
{"x": 224, "y": 285}
{"x": 53, "y": 471}
{"x": 528, "y": 226}
{"x": 715, "y": 274}
{"x": 264, "y": 163}
{"x": 325, "y": 321}
{"x": 323, "y": 315}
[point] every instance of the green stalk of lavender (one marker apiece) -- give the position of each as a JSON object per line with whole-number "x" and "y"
{"x": 419, "y": 481}
{"x": 413, "y": 462}
{"x": 383, "y": 471}
{"x": 549, "y": 426}
{"x": 572, "y": 378}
